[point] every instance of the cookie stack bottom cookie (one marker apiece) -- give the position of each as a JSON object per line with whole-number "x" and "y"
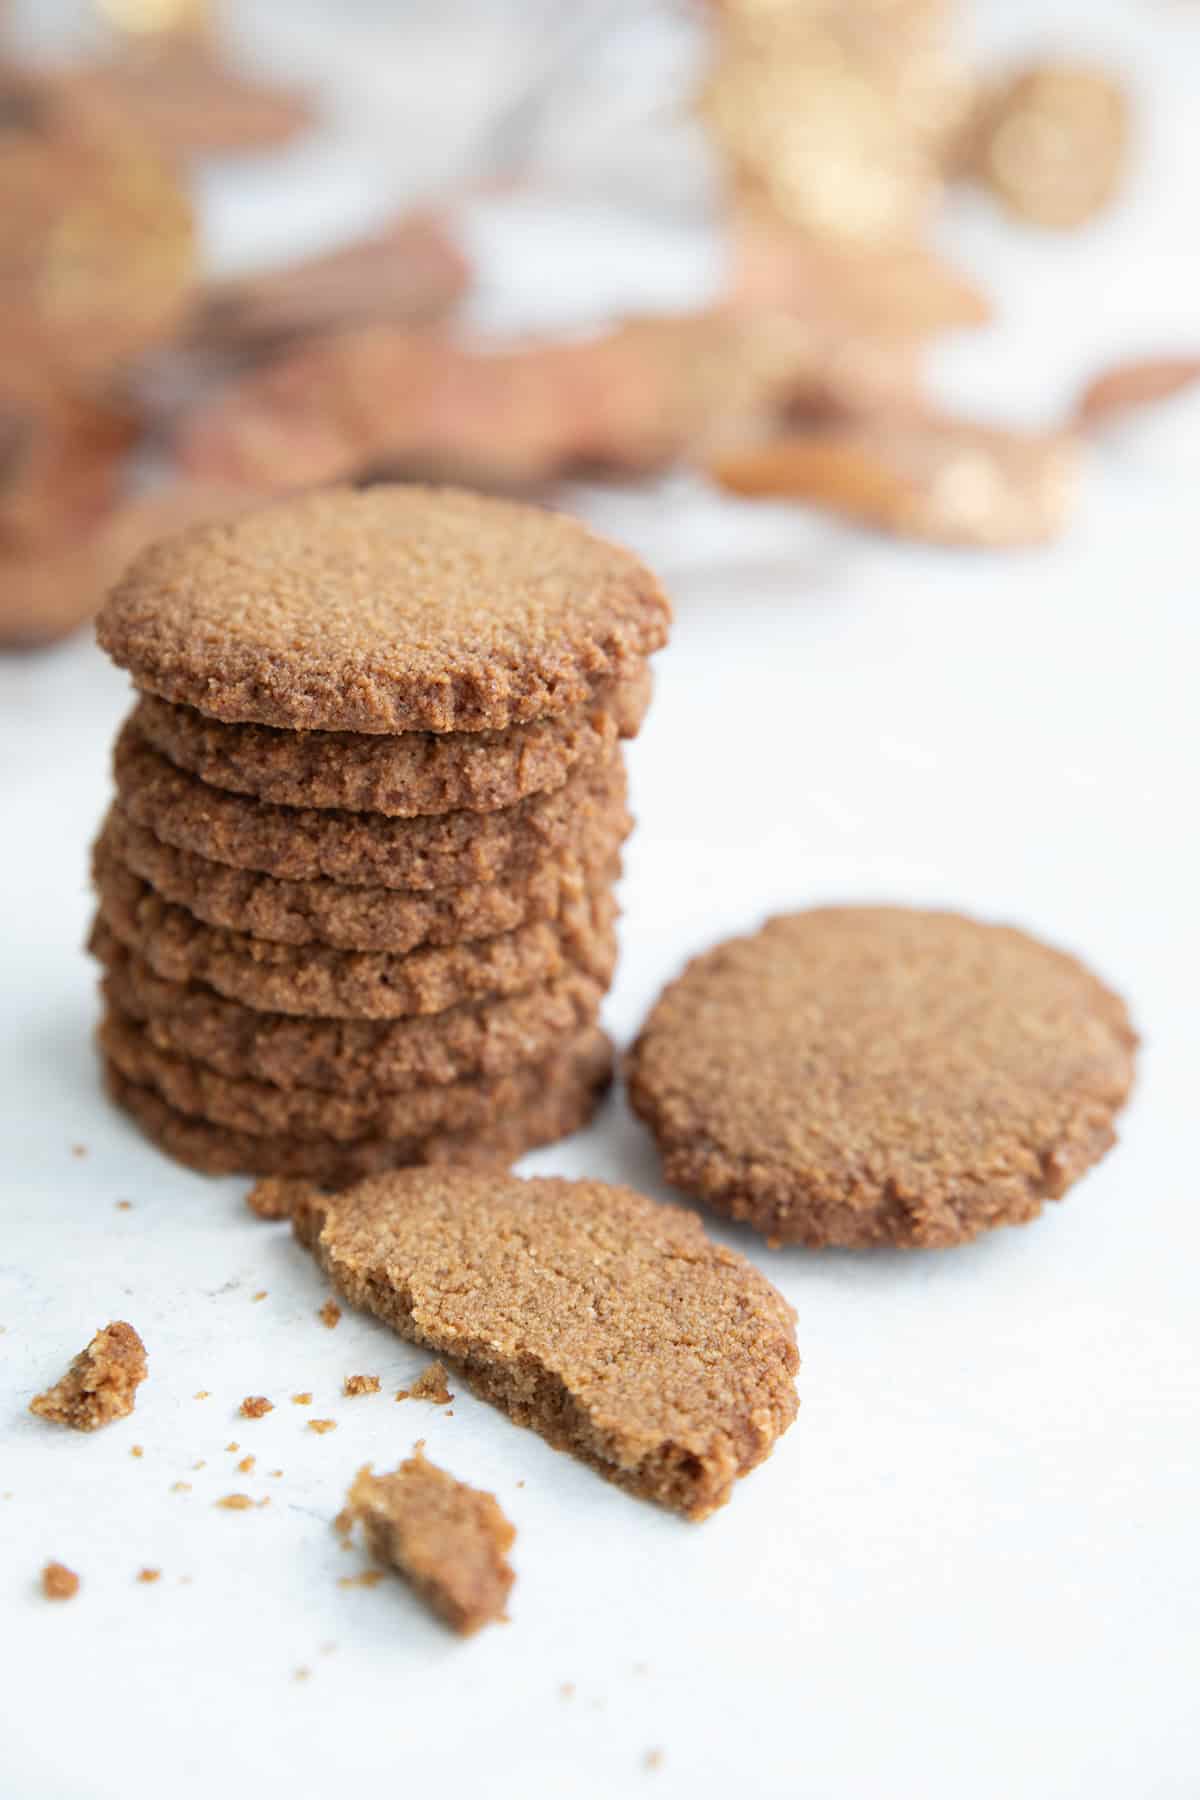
{"x": 356, "y": 890}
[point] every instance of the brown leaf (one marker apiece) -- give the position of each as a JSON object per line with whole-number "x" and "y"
{"x": 1052, "y": 142}
{"x": 410, "y": 271}
{"x": 96, "y": 232}
{"x": 885, "y": 292}
{"x": 1130, "y": 386}
{"x": 628, "y": 401}
{"x": 920, "y": 476}
{"x": 45, "y": 597}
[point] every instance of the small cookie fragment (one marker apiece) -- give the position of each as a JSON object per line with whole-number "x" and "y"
{"x": 607, "y": 1322}
{"x": 272, "y": 1198}
{"x": 881, "y": 1075}
{"x": 429, "y": 1385}
{"x": 254, "y": 1406}
{"x": 360, "y": 1384}
{"x": 447, "y": 1539}
{"x": 101, "y": 1383}
{"x": 59, "y": 1582}
{"x": 330, "y": 1314}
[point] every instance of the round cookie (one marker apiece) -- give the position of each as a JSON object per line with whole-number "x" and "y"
{"x": 609, "y": 1323}
{"x": 350, "y": 984}
{"x": 402, "y": 774}
{"x": 565, "y": 1104}
{"x": 367, "y": 918}
{"x": 296, "y": 843}
{"x": 383, "y": 610}
{"x": 874, "y": 1075}
{"x": 264, "y": 1110}
{"x": 346, "y": 1056}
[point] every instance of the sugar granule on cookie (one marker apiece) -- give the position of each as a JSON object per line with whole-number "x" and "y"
{"x": 448, "y": 1540}
{"x": 879, "y": 1075}
{"x": 101, "y": 1383}
{"x": 607, "y": 1322}
{"x": 59, "y": 1582}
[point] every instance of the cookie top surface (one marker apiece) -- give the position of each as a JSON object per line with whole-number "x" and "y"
{"x": 384, "y": 610}
{"x": 871, "y": 1075}
{"x": 662, "y": 1357}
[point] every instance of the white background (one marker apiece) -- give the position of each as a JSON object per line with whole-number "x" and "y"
{"x": 971, "y": 1567}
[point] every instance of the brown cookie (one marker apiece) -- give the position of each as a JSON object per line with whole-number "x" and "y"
{"x": 296, "y": 843}
{"x": 266, "y": 1111}
{"x": 402, "y": 774}
{"x": 390, "y": 609}
{"x": 346, "y": 1056}
{"x": 366, "y": 918}
{"x": 448, "y": 1540}
{"x": 606, "y": 1321}
{"x": 351, "y": 984}
{"x": 874, "y": 1075}
{"x": 565, "y": 1104}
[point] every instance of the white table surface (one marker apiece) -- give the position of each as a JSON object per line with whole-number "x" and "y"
{"x": 971, "y": 1567}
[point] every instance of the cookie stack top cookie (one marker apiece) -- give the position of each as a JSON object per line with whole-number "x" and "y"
{"x": 372, "y": 786}
{"x": 386, "y": 610}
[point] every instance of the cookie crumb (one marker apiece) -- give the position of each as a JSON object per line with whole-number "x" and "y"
{"x": 201, "y": 1394}
{"x": 136, "y": 1450}
{"x": 329, "y": 1314}
{"x": 275, "y": 1473}
{"x": 304, "y": 1399}
{"x": 78, "y": 1149}
{"x": 59, "y": 1582}
{"x": 447, "y": 1539}
{"x": 275, "y": 1196}
{"x": 235, "y": 1502}
{"x": 367, "y": 1578}
{"x": 321, "y": 1426}
{"x": 261, "y": 1294}
{"x": 567, "y": 1690}
{"x": 181, "y": 1487}
{"x": 302, "y": 1673}
{"x": 246, "y": 1465}
{"x": 360, "y": 1384}
{"x": 231, "y": 1447}
{"x": 255, "y": 1405}
{"x": 653, "y": 1759}
{"x": 149, "y": 1575}
{"x": 124, "y": 1205}
{"x": 430, "y": 1385}
{"x": 101, "y": 1383}
{"x": 200, "y": 1464}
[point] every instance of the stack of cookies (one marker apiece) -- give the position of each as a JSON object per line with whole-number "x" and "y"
{"x": 356, "y": 901}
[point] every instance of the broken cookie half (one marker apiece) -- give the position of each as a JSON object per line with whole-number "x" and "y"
{"x": 610, "y": 1324}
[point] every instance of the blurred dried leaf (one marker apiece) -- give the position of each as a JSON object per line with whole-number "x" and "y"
{"x": 1052, "y": 142}
{"x": 411, "y": 271}
{"x": 45, "y": 597}
{"x": 1131, "y": 386}
{"x": 891, "y": 291}
{"x": 183, "y": 93}
{"x": 627, "y": 402}
{"x": 835, "y": 115}
{"x": 61, "y": 457}
{"x": 96, "y": 233}
{"x": 922, "y": 476}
